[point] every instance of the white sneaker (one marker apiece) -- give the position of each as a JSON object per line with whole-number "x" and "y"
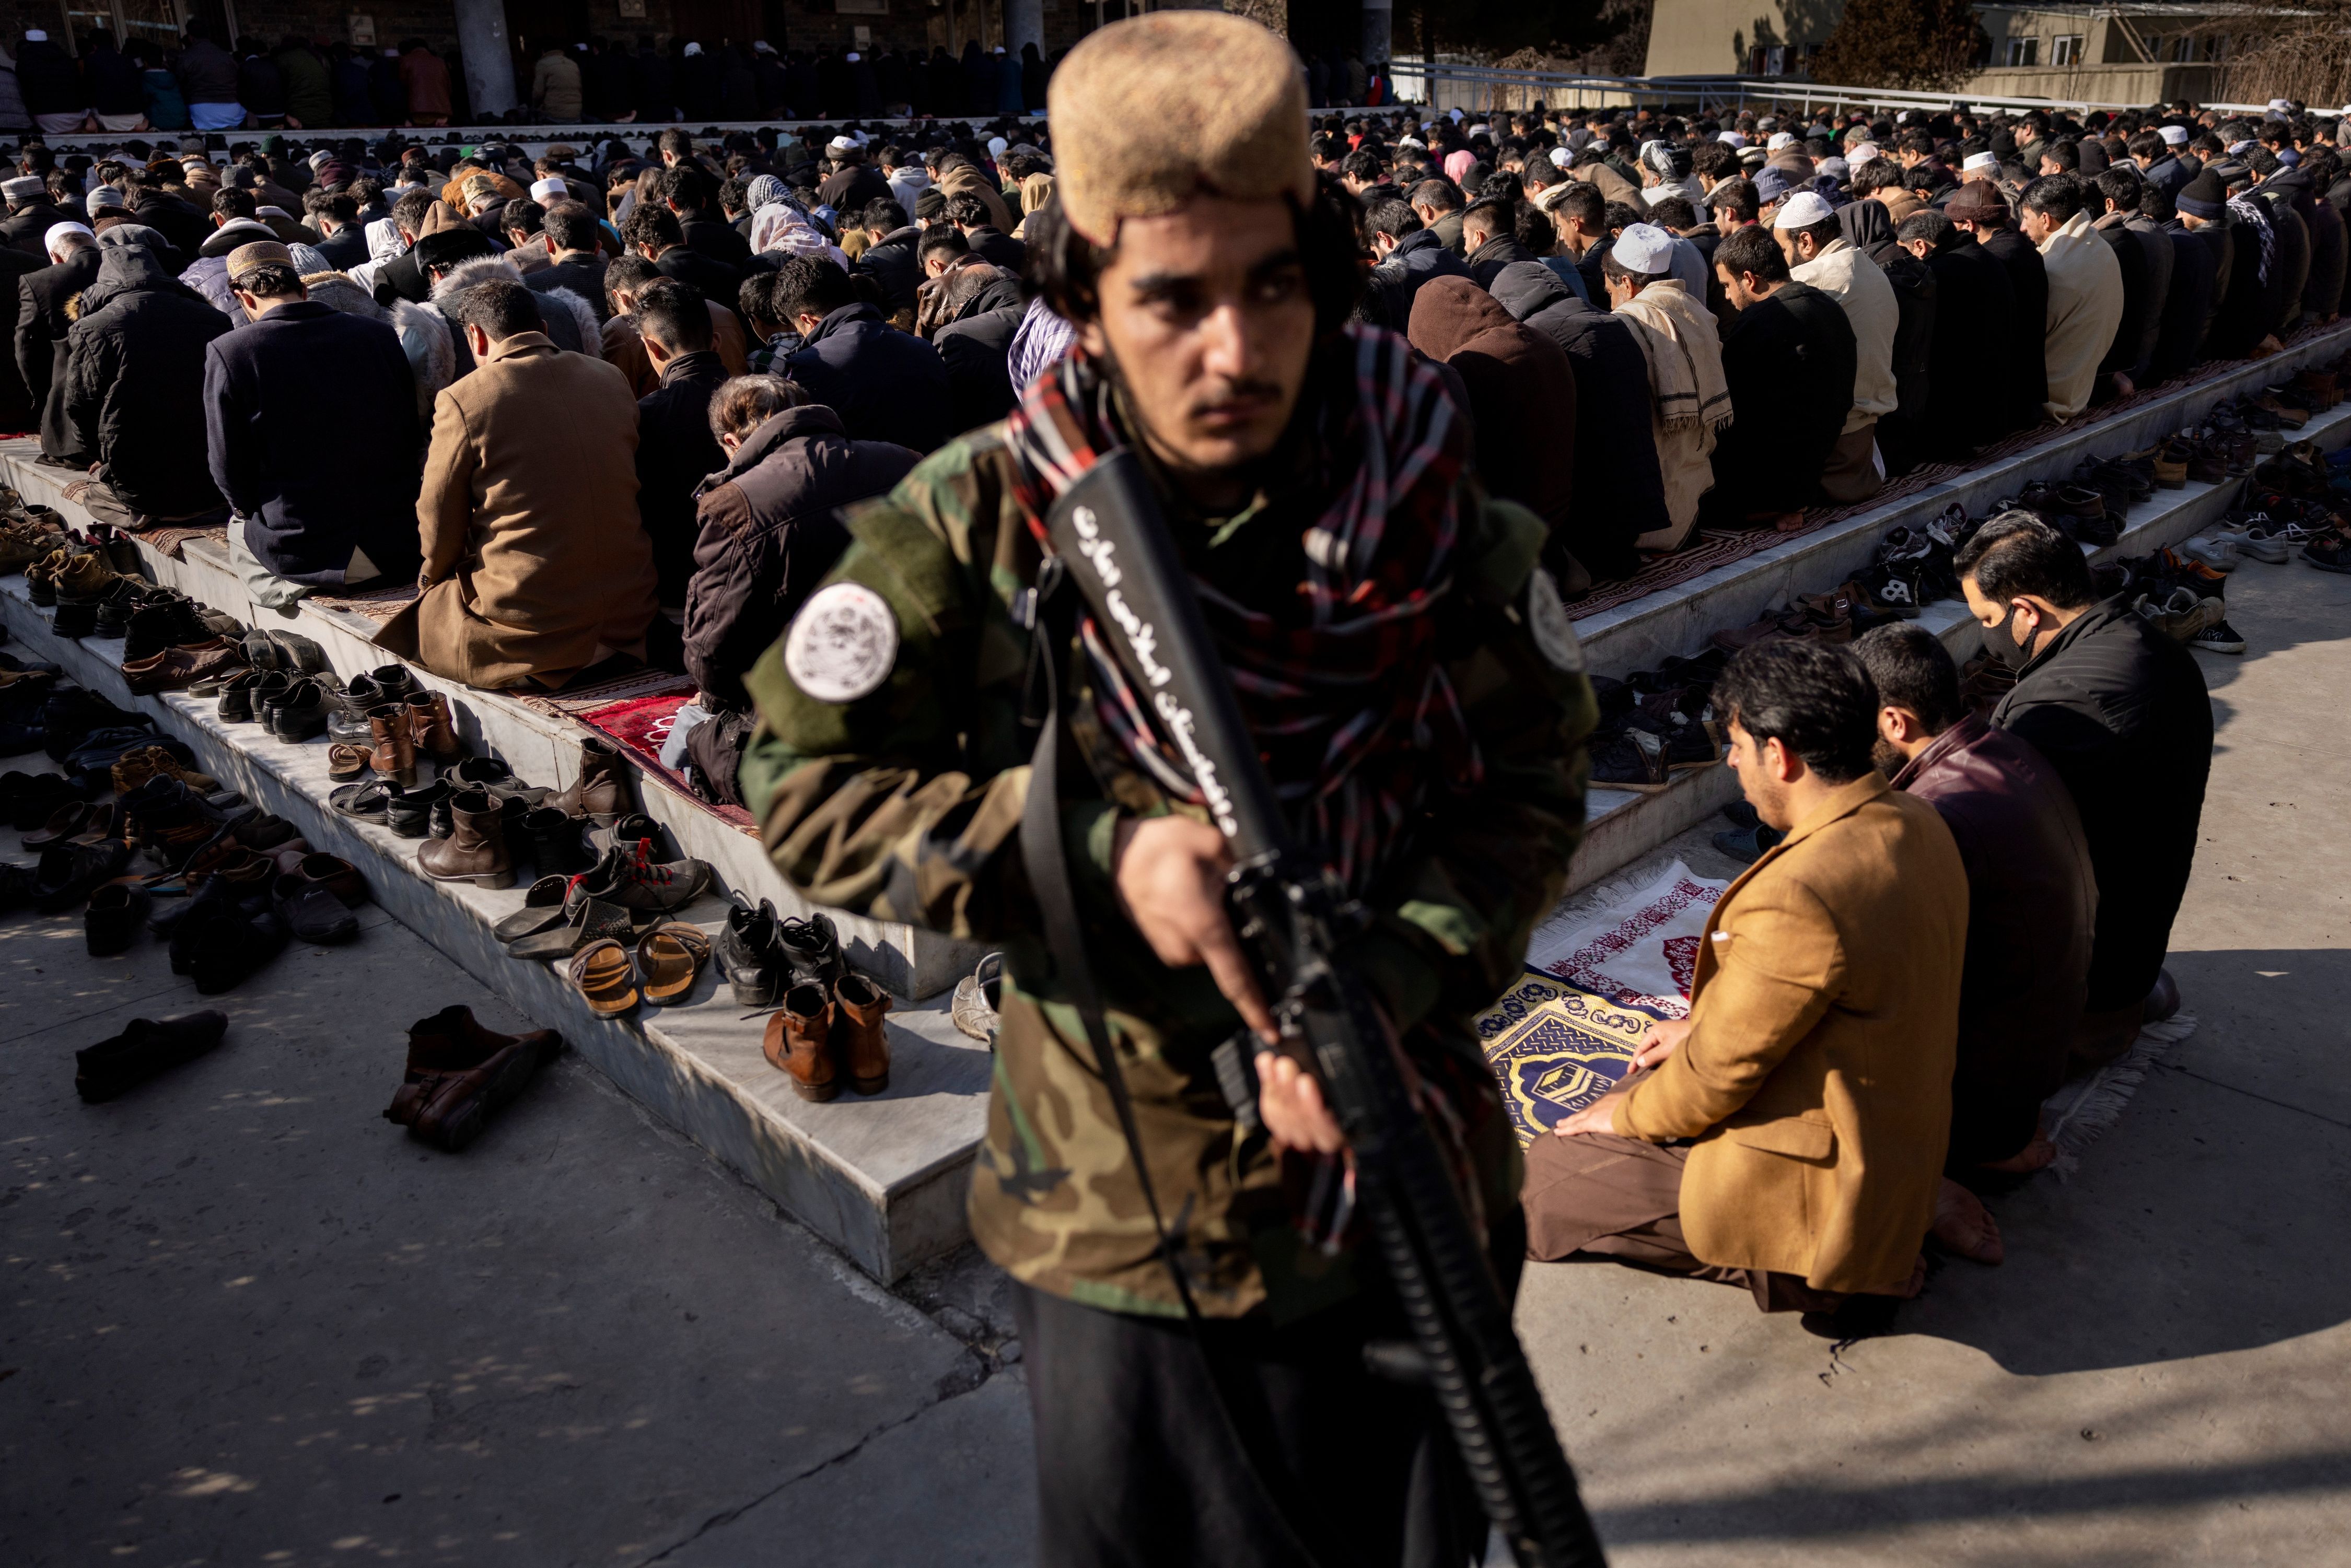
{"x": 2218, "y": 551}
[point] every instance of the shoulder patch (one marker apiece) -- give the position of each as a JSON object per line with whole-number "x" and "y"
{"x": 843, "y": 643}
{"x": 1547, "y": 619}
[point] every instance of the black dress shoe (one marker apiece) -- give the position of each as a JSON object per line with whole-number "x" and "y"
{"x": 144, "y": 1049}
{"x": 811, "y": 952}
{"x": 236, "y": 697}
{"x": 747, "y": 952}
{"x": 311, "y": 911}
{"x": 230, "y": 949}
{"x": 302, "y": 716}
{"x": 410, "y": 812}
{"x": 111, "y": 922}
{"x": 69, "y": 873}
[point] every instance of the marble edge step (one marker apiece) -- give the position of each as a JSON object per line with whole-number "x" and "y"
{"x": 907, "y": 961}
{"x": 1644, "y": 630}
{"x": 895, "y": 1154}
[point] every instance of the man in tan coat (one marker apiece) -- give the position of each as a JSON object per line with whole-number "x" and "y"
{"x": 536, "y": 565}
{"x": 1811, "y": 1080}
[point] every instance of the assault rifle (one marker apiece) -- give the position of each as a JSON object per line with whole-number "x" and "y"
{"x": 1290, "y": 915}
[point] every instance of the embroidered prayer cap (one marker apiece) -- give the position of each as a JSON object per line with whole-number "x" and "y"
{"x": 1644, "y": 247}
{"x": 260, "y": 253}
{"x": 1149, "y": 112}
{"x": 1802, "y": 210}
{"x": 23, "y": 188}
{"x": 1981, "y": 161}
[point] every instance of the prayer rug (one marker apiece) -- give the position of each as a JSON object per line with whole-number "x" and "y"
{"x": 174, "y": 541}
{"x": 2078, "y": 1114}
{"x": 639, "y": 726}
{"x": 639, "y": 681}
{"x": 1632, "y": 946}
{"x": 378, "y": 604}
{"x": 1556, "y": 1050}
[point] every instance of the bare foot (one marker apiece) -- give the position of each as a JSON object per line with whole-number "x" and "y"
{"x": 1789, "y": 523}
{"x": 2037, "y": 1155}
{"x": 1964, "y": 1226}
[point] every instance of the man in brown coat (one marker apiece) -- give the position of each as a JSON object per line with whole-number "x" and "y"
{"x": 536, "y": 565}
{"x": 1812, "y": 1077}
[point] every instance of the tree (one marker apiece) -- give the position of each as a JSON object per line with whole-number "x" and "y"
{"x": 1921, "y": 46}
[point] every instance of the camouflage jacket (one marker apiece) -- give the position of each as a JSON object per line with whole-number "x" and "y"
{"x": 903, "y": 803}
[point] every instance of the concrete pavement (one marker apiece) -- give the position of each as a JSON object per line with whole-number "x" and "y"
{"x": 248, "y": 1321}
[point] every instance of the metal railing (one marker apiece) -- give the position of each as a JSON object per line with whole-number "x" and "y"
{"x": 1567, "y": 89}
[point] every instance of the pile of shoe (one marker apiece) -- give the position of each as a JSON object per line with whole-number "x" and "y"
{"x": 281, "y": 683}
{"x": 26, "y": 685}
{"x": 1657, "y": 723}
{"x": 170, "y": 642}
{"x": 2179, "y": 591}
{"x": 628, "y": 891}
{"x": 1914, "y": 567}
{"x": 829, "y": 1028}
{"x": 2298, "y": 500}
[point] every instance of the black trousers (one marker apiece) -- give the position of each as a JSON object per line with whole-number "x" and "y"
{"x": 1137, "y": 1469}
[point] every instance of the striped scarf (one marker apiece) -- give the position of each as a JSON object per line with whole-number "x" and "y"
{"x": 2250, "y": 210}
{"x": 1355, "y": 720}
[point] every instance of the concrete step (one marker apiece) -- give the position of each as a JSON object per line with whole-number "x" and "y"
{"x": 541, "y": 747}
{"x": 881, "y": 1177}
{"x": 1623, "y": 825}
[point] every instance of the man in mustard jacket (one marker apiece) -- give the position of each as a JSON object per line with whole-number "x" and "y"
{"x": 1789, "y": 1134}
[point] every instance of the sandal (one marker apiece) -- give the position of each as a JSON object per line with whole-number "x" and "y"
{"x": 670, "y": 958}
{"x": 346, "y": 762}
{"x": 542, "y": 908}
{"x": 602, "y": 973}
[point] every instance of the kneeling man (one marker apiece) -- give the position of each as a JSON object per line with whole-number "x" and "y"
{"x": 1789, "y": 1134}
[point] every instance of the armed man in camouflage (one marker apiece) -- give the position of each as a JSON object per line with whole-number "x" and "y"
{"x": 1419, "y": 703}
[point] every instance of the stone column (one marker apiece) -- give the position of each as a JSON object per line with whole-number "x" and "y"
{"x": 488, "y": 57}
{"x": 1024, "y": 23}
{"x": 1379, "y": 18}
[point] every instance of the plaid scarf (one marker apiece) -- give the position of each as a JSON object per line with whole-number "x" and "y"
{"x": 1354, "y": 718}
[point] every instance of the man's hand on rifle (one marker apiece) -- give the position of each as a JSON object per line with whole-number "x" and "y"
{"x": 1170, "y": 876}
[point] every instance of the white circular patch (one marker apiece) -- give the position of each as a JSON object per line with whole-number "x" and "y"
{"x": 843, "y": 643}
{"x": 1554, "y": 634}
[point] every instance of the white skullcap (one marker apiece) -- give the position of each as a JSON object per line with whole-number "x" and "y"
{"x": 1560, "y": 157}
{"x": 1644, "y": 247}
{"x": 841, "y": 144}
{"x": 1732, "y": 138}
{"x": 853, "y": 56}
{"x": 57, "y": 232}
{"x": 2173, "y": 135}
{"x": 996, "y": 146}
{"x": 1981, "y": 161}
{"x": 1861, "y": 152}
{"x": 549, "y": 190}
{"x": 1780, "y": 139}
{"x": 2279, "y": 106}
{"x": 1802, "y": 210}
{"x": 35, "y": 36}
{"x": 693, "y": 49}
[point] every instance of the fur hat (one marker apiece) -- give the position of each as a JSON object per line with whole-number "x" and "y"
{"x": 1149, "y": 112}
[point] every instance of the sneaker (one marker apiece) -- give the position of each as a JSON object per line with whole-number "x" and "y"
{"x": 2261, "y": 540}
{"x": 2330, "y": 552}
{"x": 629, "y": 877}
{"x": 2216, "y": 636}
{"x": 2172, "y": 460}
{"x": 2216, "y": 550}
{"x": 2207, "y": 583}
{"x": 1689, "y": 743}
{"x": 2179, "y": 617}
{"x": 977, "y": 995}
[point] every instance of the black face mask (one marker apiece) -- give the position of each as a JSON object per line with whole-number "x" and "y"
{"x": 2004, "y": 645}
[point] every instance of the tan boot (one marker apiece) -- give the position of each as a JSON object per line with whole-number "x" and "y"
{"x": 601, "y": 791}
{"x": 797, "y": 1043}
{"x": 393, "y": 754}
{"x": 859, "y": 1041}
{"x": 430, "y": 731}
{"x": 475, "y": 850}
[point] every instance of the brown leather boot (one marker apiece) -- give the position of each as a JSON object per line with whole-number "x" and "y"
{"x": 859, "y": 1041}
{"x": 459, "y": 1072}
{"x": 475, "y": 850}
{"x": 601, "y": 790}
{"x": 429, "y": 729}
{"x": 394, "y": 756}
{"x": 797, "y": 1042}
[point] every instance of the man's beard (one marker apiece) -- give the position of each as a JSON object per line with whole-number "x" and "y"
{"x": 1889, "y": 758}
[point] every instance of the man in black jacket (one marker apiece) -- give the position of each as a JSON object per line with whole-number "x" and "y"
{"x": 890, "y": 259}
{"x": 1489, "y": 237}
{"x": 1410, "y": 254}
{"x": 570, "y": 233}
{"x": 885, "y": 384}
{"x": 342, "y": 240}
{"x": 979, "y": 311}
{"x": 703, "y": 230}
{"x": 1616, "y": 473}
{"x": 31, "y": 212}
{"x": 1980, "y": 209}
{"x": 1966, "y": 364}
{"x": 2121, "y": 711}
{"x": 655, "y": 234}
{"x": 42, "y": 324}
{"x": 972, "y": 220}
{"x": 675, "y": 446}
{"x": 1789, "y": 356}
{"x": 134, "y": 378}
{"x": 402, "y": 277}
{"x": 283, "y": 395}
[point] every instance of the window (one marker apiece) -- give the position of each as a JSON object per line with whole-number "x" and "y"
{"x": 2065, "y": 50}
{"x": 2021, "y": 52}
{"x": 1775, "y": 60}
